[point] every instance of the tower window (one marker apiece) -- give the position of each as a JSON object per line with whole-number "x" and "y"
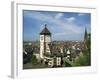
{"x": 41, "y": 38}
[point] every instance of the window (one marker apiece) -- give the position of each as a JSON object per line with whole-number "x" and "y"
{"x": 41, "y": 37}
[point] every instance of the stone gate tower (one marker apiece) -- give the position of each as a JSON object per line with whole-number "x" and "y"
{"x": 45, "y": 39}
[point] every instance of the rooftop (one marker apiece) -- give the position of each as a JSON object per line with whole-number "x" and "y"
{"x": 45, "y": 31}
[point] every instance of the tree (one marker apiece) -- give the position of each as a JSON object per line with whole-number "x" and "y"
{"x": 67, "y": 64}
{"x": 34, "y": 59}
{"x": 85, "y": 58}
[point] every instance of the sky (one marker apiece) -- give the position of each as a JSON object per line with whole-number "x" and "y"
{"x": 62, "y": 25}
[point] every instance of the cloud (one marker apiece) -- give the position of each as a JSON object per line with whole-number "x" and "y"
{"x": 59, "y": 15}
{"x": 65, "y": 24}
{"x": 70, "y": 19}
{"x": 61, "y": 34}
{"x": 81, "y": 14}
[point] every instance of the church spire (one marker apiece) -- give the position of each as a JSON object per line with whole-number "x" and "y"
{"x": 85, "y": 34}
{"x": 85, "y": 38}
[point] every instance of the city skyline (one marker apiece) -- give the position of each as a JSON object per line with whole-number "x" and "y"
{"x": 62, "y": 25}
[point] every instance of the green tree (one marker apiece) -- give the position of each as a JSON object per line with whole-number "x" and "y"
{"x": 34, "y": 59}
{"x": 85, "y": 58}
{"x": 67, "y": 64}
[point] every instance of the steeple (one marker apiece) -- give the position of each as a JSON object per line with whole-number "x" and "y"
{"x": 85, "y": 34}
{"x": 85, "y": 38}
{"x": 45, "y": 31}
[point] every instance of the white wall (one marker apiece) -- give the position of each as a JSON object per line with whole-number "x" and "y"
{"x": 5, "y": 39}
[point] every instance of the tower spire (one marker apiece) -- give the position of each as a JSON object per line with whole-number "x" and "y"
{"x": 45, "y": 25}
{"x": 45, "y": 31}
{"x": 85, "y": 35}
{"x": 85, "y": 38}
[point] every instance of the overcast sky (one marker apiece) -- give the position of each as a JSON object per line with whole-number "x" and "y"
{"x": 62, "y": 25}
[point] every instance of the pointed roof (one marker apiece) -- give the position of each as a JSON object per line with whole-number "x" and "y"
{"x": 85, "y": 35}
{"x": 45, "y": 31}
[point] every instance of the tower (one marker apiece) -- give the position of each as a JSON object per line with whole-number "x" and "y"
{"x": 85, "y": 35}
{"x": 85, "y": 38}
{"x": 45, "y": 39}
